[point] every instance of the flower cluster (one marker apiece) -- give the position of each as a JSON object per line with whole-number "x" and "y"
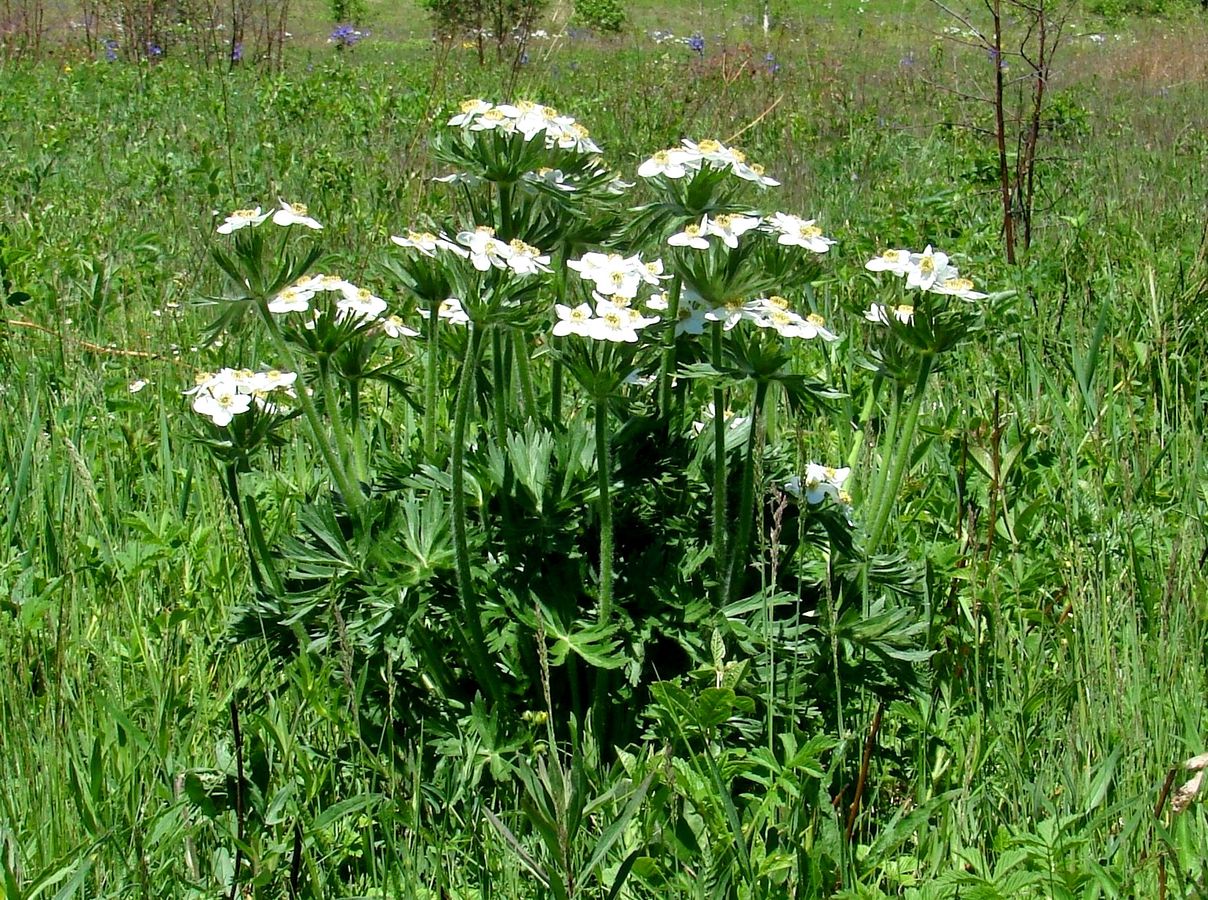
{"x": 487, "y": 251}
{"x": 687, "y": 160}
{"x": 819, "y": 483}
{"x": 615, "y": 275}
{"x": 927, "y": 271}
{"x": 353, "y": 303}
{"x": 790, "y": 231}
{"x": 773, "y": 312}
{"x": 288, "y": 214}
{"x": 612, "y": 319}
{"x": 222, "y": 395}
{"x": 528, "y": 120}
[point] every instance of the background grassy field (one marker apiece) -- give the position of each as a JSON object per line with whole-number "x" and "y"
{"x": 1070, "y": 661}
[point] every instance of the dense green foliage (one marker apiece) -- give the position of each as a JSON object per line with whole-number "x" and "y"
{"x": 1035, "y": 673}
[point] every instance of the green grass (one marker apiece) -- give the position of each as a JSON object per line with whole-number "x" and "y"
{"x": 1054, "y": 510}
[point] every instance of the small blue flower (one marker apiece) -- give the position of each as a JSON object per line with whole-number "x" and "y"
{"x": 697, "y": 43}
{"x": 770, "y": 61}
{"x": 111, "y": 48}
{"x": 154, "y": 50}
{"x": 237, "y": 52}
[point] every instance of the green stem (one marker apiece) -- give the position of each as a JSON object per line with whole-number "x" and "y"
{"x": 498, "y": 376}
{"x": 900, "y": 458}
{"x": 604, "y": 475}
{"x": 876, "y": 490}
{"x": 667, "y": 366}
{"x": 430, "y": 389}
{"x": 350, "y": 489}
{"x": 719, "y": 472}
{"x": 740, "y": 549}
{"x": 521, "y": 351}
{"x": 604, "y": 613}
{"x": 343, "y": 441}
{"x": 479, "y": 656}
{"x": 555, "y": 393}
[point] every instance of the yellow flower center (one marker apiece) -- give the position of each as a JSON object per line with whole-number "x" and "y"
{"x": 739, "y": 156}
{"x": 815, "y": 319}
{"x": 298, "y": 209}
{"x": 709, "y": 146}
{"x": 959, "y": 284}
{"x": 692, "y": 230}
{"x": 927, "y": 265}
{"x": 620, "y": 301}
{"x": 810, "y": 231}
{"x": 470, "y": 105}
{"x": 244, "y": 214}
{"x": 757, "y": 168}
{"x": 778, "y": 302}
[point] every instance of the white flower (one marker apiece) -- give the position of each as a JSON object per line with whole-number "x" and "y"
{"x": 732, "y": 421}
{"x": 572, "y": 321}
{"x": 451, "y": 310}
{"x": 896, "y": 262}
{"x": 734, "y": 312}
{"x": 317, "y": 283}
{"x": 611, "y": 273}
{"x": 576, "y": 137}
{"x": 292, "y": 299}
{"x": 553, "y": 178}
{"x": 459, "y": 178}
{"x": 819, "y": 483}
{"x": 730, "y": 228}
{"x": 267, "y": 381}
{"x": 674, "y": 163}
{"x": 789, "y": 324}
{"x": 694, "y": 236}
{"x": 754, "y": 172}
{"x": 241, "y": 218}
{"x": 927, "y": 268}
{"x": 486, "y": 250}
{"x": 491, "y": 120}
{"x": 692, "y": 317}
{"x": 795, "y": 231}
{"x": 618, "y": 186}
{"x": 469, "y": 110}
{"x": 392, "y": 326}
{"x": 958, "y": 287}
{"x": 221, "y": 403}
{"x": 715, "y": 153}
{"x": 294, "y": 214}
{"x": 525, "y": 259}
{"x": 361, "y": 304}
{"x": 877, "y": 313}
{"x": 427, "y": 243}
{"x": 614, "y": 325}
{"x": 137, "y": 385}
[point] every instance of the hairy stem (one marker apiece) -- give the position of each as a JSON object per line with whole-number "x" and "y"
{"x": 719, "y": 472}
{"x": 740, "y": 548}
{"x": 479, "y": 656}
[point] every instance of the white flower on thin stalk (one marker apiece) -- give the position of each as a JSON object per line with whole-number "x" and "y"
{"x": 486, "y": 250}
{"x": 577, "y": 138}
{"x": 623, "y": 305}
{"x": 241, "y": 218}
{"x": 819, "y": 483}
{"x": 734, "y": 312}
{"x": 221, "y": 402}
{"x": 459, "y": 178}
{"x": 794, "y": 231}
{"x": 428, "y": 243}
{"x": 321, "y": 283}
{"x": 451, "y": 311}
{"x": 393, "y": 327}
{"x": 754, "y": 172}
{"x": 551, "y": 178}
{"x": 572, "y": 321}
{"x": 468, "y": 111}
{"x": 693, "y": 235}
{"x": 295, "y": 214}
{"x": 615, "y": 325}
{"x": 610, "y": 273}
{"x": 673, "y": 164}
{"x": 292, "y": 299}
{"x": 493, "y": 119}
{"x": 928, "y": 268}
{"x": 877, "y": 313}
{"x": 958, "y": 287}
{"x": 360, "y": 304}
{"x": 708, "y": 413}
{"x": 896, "y": 262}
{"x": 731, "y": 227}
{"x": 525, "y": 259}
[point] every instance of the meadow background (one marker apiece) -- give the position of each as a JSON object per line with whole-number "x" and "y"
{"x": 1053, "y": 513}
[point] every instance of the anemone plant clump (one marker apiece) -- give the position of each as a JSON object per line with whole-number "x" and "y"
{"x": 545, "y": 490}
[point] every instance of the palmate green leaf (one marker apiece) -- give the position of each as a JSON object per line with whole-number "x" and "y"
{"x": 595, "y": 644}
